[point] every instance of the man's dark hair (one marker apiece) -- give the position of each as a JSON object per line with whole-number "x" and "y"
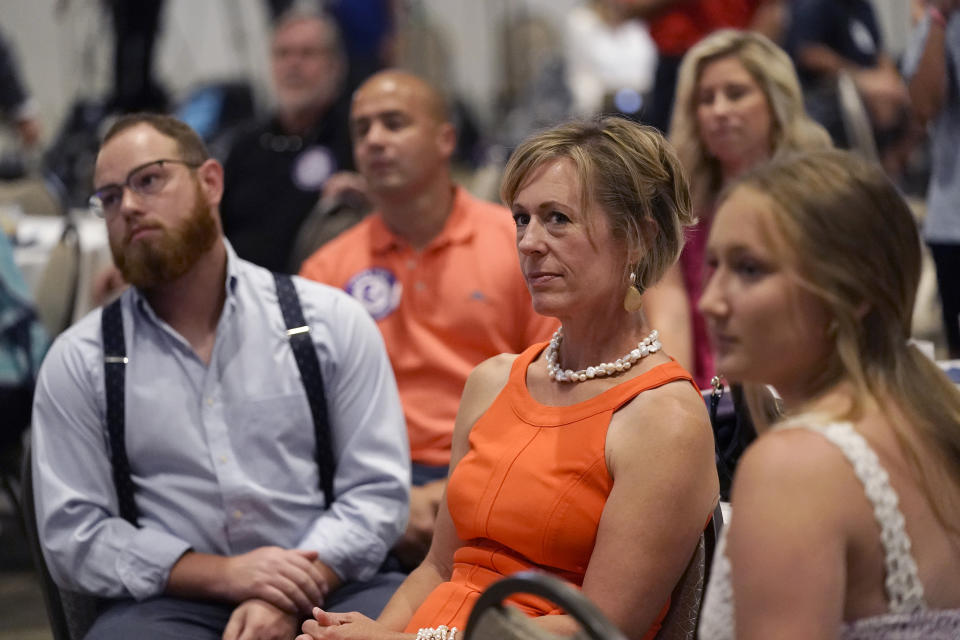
{"x": 191, "y": 146}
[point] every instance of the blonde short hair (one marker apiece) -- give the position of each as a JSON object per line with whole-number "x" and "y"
{"x": 631, "y": 172}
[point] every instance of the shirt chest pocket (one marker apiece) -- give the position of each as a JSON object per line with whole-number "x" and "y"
{"x": 273, "y": 440}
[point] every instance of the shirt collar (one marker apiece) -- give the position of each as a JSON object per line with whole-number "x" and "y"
{"x": 230, "y": 283}
{"x": 456, "y": 230}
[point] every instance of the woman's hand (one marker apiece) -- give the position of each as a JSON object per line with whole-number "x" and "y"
{"x": 327, "y": 626}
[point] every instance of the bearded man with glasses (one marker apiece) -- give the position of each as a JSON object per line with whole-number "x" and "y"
{"x": 176, "y": 471}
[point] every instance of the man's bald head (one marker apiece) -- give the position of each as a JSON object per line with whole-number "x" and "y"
{"x": 402, "y": 136}
{"x": 414, "y": 89}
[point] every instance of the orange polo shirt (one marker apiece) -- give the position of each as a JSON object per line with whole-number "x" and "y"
{"x": 442, "y": 310}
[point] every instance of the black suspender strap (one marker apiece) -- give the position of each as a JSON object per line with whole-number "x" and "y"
{"x": 309, "y": 365}
{"x": 114, "y": 365}
{"x": 114, "y": 369}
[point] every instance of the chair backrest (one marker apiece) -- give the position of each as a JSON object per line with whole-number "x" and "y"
{"x": 31, "y": 194}
{"x": 711, "y": 535}
{"x": 70, "y": 614}
{"x": 680, "y": 622}
{"x": 686, "y": 601}
{"x": 57, "y": 292}
{"x": 325, "y": 222}
{"x": 492, "y": 620}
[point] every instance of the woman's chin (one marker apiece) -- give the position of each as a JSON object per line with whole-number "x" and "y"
{"x": 546, "y": 307}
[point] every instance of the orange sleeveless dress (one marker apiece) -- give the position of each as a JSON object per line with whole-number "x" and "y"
{"x": 529, "y": 493}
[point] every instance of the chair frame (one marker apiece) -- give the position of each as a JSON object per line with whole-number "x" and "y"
{"x": 550, "y": 588}
{"x": 83, "y": 608}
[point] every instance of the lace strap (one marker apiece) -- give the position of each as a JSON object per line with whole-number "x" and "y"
{"x": 903, "y": 586}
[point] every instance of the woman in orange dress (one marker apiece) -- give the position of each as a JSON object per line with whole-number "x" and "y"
{"x": 589, "y": 457}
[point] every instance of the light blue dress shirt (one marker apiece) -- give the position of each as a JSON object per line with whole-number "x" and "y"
{"x": 222, "y": 455}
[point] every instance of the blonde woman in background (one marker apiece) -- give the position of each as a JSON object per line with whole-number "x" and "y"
{"x": 738, "y": 104}
{"x": 846, "y": 519}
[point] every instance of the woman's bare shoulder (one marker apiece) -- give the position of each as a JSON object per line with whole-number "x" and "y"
{"x": 800, "y": 467}
{"x": 483, "y": 385}
{"x": 493, "y": 371}
{"x": 676, "y": 410}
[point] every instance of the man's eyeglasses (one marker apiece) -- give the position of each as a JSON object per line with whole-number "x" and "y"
{"x": 146, "y": 180}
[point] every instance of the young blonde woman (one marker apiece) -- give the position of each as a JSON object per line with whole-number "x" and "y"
{"x": 846, "y": 520}
{"x": 738, "y": 104}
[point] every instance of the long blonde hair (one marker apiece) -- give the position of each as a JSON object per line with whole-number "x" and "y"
{"x": 772, "y": 70}
{"x": 856, "y": 247}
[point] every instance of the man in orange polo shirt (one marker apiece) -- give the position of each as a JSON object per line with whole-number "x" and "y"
{"x": 434, "y": 266}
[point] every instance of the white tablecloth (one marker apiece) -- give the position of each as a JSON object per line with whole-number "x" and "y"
{"x": 37, "y": 235}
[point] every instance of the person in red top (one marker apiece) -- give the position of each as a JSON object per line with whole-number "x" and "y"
{"x": 434, "y": 266}
{"x": 677, "y": 25}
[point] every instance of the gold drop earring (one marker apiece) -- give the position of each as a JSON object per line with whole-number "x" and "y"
{"x": 634, "y": 299}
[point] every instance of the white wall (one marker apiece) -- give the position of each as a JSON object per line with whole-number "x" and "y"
{"x": 68, "y": 54}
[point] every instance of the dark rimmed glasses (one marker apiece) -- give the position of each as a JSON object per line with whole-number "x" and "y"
{"x": 148, "y": 179}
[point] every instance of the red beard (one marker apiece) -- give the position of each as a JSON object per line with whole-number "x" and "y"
{"x": 156, "y": 261}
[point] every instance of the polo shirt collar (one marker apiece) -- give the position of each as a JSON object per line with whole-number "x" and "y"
{"x": 459, "y": 227}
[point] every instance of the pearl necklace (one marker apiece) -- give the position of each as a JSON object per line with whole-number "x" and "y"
{"x": 645, "y": 347}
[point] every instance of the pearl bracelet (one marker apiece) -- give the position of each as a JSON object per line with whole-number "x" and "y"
{"x": 439, "y": 633}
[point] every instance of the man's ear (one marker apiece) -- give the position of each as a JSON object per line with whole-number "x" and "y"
{"x": 210, "y": 175}
{"x": 447, "y": 139}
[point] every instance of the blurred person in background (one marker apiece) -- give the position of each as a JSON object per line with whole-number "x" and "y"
{"x": 610, "y": 59}
{"x": 738, "y": 105}
{"x": 276, "y": 169}
{"x": 23, "y": 343}
{"x": 828, "y": 37}
{"x": 677, "y": 25}
{"x": 434, "y": 266}
{"x": 368, "y": 28}
{"x": 846, "y": 522}
{"x": 931, "y": 64}
{"x": 136, "y": 24}
{"x": 16, "y": 106}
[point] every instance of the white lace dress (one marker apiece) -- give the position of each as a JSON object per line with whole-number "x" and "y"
{"x": 908, "y": 618}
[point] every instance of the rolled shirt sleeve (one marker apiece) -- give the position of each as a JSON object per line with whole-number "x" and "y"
{"x": 86, "y": 546}
{"x": 372, "y": 480}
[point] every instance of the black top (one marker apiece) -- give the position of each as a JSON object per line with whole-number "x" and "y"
{"x": 273, "y": 180}
{"x": 848, "y": 27}
{"x": 12, "y": 92}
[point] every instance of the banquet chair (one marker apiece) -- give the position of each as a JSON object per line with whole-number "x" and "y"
{"x": 491, "y": 620}
{"x": 326, "y": 221}
{"x": 56, "y": 293}
{"x": 69, "y": 613}
{"x": 34, "y": 195}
